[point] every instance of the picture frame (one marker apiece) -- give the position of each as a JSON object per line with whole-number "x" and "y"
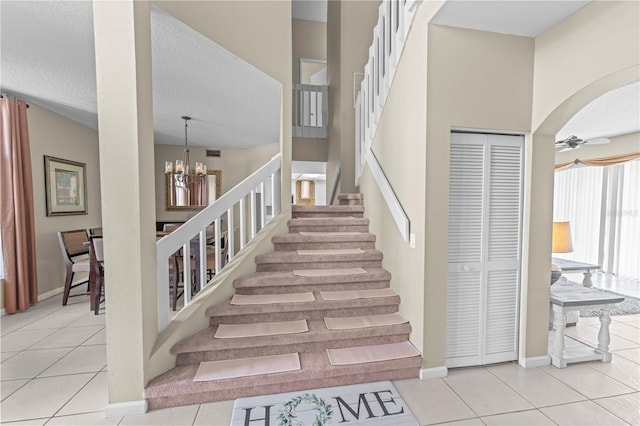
{"x": 66, "y": 187}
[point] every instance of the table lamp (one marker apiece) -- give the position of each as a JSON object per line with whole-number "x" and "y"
{"x": 560, "y": 243}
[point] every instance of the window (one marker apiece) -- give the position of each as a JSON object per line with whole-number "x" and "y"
{"x": 603, "y": 206}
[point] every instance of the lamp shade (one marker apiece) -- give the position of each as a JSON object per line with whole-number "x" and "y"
{"x": 561, "y": 241}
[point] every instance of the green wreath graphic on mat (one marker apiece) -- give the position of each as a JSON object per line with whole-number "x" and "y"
{"x": 287, "y": 416}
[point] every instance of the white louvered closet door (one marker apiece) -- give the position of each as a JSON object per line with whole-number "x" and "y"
{"x": 484, "y": 248}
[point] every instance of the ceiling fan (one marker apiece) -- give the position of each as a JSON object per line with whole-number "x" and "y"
{"x": 574, "y": 142}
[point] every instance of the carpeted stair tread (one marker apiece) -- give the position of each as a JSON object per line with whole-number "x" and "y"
{"x": 278, "y": 298}
{"x": 242, "y": 313}
{"x": 260, "y": 279}
{"x": 318, "y": 332}
{"x": 314, "y": 365}
{"x": 286, "y": 281}
{"x": 296, "y": 241}
{"x": 244, "y": 367}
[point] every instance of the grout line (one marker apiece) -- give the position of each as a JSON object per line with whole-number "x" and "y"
{"x": 461, "y": 398}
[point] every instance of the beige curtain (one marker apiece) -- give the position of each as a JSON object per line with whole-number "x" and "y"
{"x": 16, "y": 208}
{"x": 604, "y": 161}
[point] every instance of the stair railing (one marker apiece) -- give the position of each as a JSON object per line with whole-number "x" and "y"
{"x": 310, "y": 111}
{"x": 263, "y": 188}
{"x": 389, "y": 36}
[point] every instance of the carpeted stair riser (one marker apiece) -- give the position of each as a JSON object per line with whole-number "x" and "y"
{"x": 197, "y": 357}
{"x": 201, "y": 397}
{"x": 346, "y": 224}
{"x": 286, "y": 282}
{"x": 327, "y": 211}
{"x": 314, "y": 367}
{"x": 253, "y": 347}
{"x": 289, "y": 261}
{"x": 302, "y": 288}
{"x": 350, "y": 199}
{"x": 246, "y": 314}
{"x": 325, "y": 245}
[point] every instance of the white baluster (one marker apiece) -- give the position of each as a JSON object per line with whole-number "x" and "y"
{"x": 216, "y": 226}
{"x": 263, "y": 202}
{"x": 230, "y": 236}
{"x": 603, "y": 335}
{"x": 253, "y": 213}
{"x": 242, "y": 223}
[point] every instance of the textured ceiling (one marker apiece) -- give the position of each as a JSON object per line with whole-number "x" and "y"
{"x": 521, "y": 17}
{"x": 48, "y": 58}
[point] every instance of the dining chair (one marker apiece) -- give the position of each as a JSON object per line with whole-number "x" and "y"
{"x": 97, "y": 265}
{"x": 95, "y": 232}
{"x": 75, "y": 258}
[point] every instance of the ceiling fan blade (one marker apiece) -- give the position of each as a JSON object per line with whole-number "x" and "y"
{"x": 598, "y": 141}
{"x": 570, "y": 148}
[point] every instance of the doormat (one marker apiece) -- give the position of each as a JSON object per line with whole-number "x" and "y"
{"x": 377, "y": 403}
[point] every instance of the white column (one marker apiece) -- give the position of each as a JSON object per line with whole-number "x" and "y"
{"x": 125, "y": 116}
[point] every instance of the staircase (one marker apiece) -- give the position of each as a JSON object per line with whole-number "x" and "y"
{"x": 338, "y": 227}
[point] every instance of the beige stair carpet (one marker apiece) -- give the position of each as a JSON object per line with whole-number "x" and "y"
{"x": 357, "y": 294}
{"x": 242, "y": 367}
{"x": 328, "y": 272}
{"x": 373, "y": 353}
{"x": 330, "y": 251}
{"x": 231, "y": 331}
{"x": 261, "y": 299}
{"x": 329, "y": 233}
{"x": 365, "y": 321}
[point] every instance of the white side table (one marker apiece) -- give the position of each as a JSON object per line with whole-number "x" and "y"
{"x": 566, "y": 298}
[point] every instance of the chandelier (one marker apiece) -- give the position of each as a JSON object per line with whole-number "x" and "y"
{"x": 183, "y": 174}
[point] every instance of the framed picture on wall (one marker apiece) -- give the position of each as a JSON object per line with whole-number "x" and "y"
{"x": 66, "y": 186}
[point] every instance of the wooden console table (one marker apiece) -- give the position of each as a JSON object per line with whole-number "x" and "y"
{"x": 566, "y": 298}
{"x": 573, "y": 266}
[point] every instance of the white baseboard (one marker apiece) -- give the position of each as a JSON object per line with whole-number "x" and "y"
{"x": 49, "y": 294}
{"x": 129, "y": 408}
{"x": 433, "y": 373}
{"x": 534, "y": 361}
{"x": 2, "y": 312}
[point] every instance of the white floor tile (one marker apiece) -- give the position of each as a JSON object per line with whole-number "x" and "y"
{"x": 42, "y": 397}
{"x": 630, "y": 354}
{"x": 7, "y": 387}
{"x": 534, "y": 385}
{"x": 6, "y": 355}
{"x": 99, "y": 338}
{"x": 22, "y": 339}
{"x": 96, "y": 418}
{"x": 215, "y": 413}
{"x": 93, "y": 397}
{"x": 627, "y": 407}
{"x": 484, "y": 393}
{"x": 524, "y": 418}
{"x": 89, "y": 320}
{"x": 433, "y": 401}
{"x": 627, "y": 318}
{"x": 54, "y": 320}
{"x": 623, "y": 370}
{"x": 625, "y": 330}
{"x": 588, "y": 381}
{"x": 168, "y": 416}
{"x": 66, "y": 337}
{"x": 28, "y": 364}
{"x": 468, "y": 422}
{"x": 83, "y": 359}
{"x": 32, "y": 422}
{"x": 584, "y": 413}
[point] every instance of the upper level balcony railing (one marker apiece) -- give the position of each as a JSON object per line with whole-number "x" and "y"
{"x": 310, "y": 111}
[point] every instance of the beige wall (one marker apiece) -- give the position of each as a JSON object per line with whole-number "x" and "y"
{"x": 236, "y": 164}
{"x": 349, "y": 34}
{"x": 399, "y": 146}
{"x": 57, "y": 136}
{"x": 620, "y": 145}
{"x": 309, "y": 149}
{"x": 606, "y": 36}
{"x": 600, "y": 40}
{"x": 477, "y": 80}
{"x": 309, "y": 41}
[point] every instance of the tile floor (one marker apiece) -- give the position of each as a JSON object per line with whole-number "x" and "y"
{"x": 53, "y": 372}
